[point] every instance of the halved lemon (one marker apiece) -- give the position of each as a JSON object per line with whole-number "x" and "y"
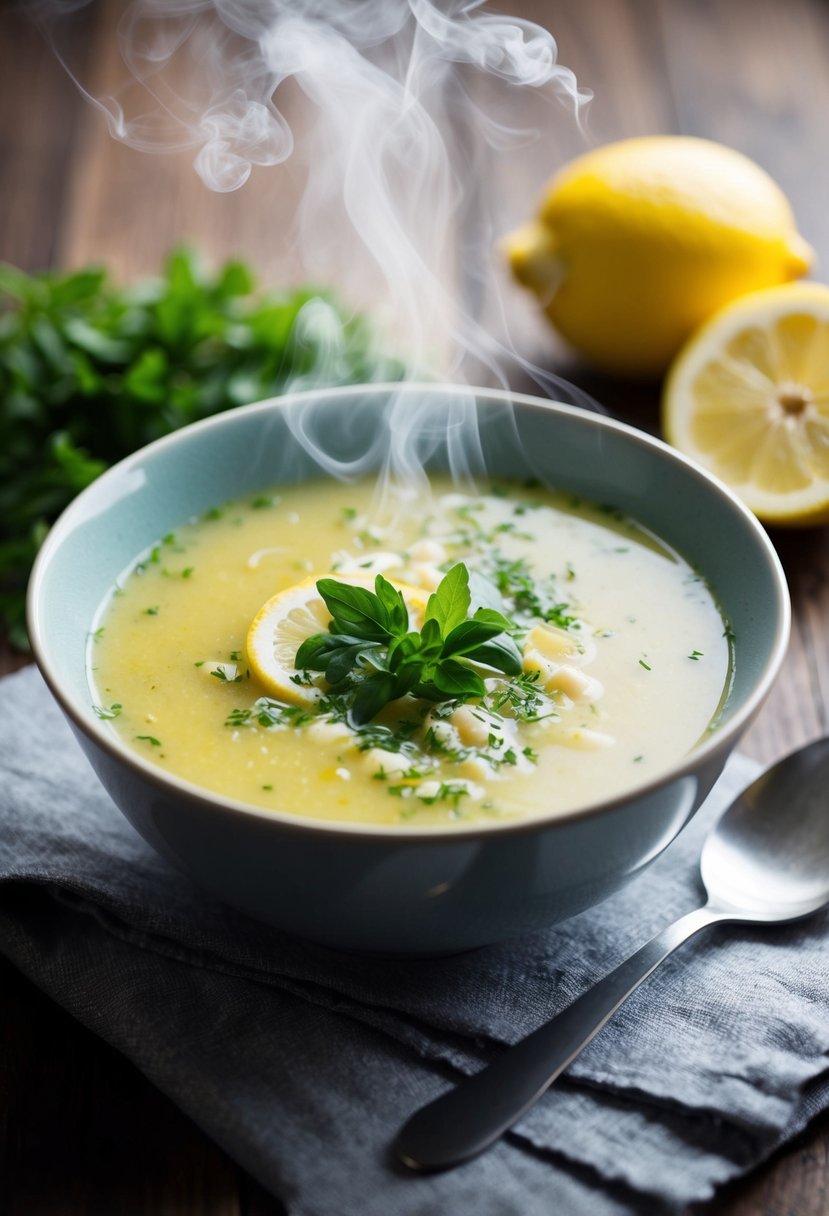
{"x": 748, "y": 398}
{"x": 284, "y": 622}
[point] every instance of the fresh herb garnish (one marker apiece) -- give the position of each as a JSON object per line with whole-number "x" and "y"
{"x": 268, "y": 713}
{"x": 371, "y": 657}
{"x": 151, "y": 739}
{"x": 522, "y": 697}
{"x": 107, "y": 712}
{"x": 526, "y": 598}
{"x": 449, "y": 791}
{"x": 221, "y": 674}
{"x": 89, "y": 372}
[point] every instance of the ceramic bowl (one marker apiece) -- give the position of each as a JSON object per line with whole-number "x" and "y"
{"x": 403, "y": 890}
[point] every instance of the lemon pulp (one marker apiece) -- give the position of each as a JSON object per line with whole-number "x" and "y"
{"x": 748, "y": 397}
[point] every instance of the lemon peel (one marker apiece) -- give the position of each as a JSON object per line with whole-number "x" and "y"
{"x": 638, "y": 242}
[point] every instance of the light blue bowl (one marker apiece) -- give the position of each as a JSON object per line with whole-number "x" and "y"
{"x": 404, "y": 889}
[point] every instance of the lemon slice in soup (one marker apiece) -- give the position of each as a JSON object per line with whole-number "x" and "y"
{"x": 291, "y": 616}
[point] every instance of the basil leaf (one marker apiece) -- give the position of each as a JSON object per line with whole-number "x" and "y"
{"x": 405, "y": 648}
{"x": 453, "y": 679}
{"x": 354, "y": 610}
{"x": 312, "y": 654}
{"x": 449, "y": 603}
{"x": 483, "y": 592}
{"x": 374, "y": 692}
{"x": 367, "y": 633}
{"x": 406, "y": 677}
{"x": 501, "y": 653}
{"x": 392, "y": 600}
{"x": 342, "y": 662}
{"x": 374, "y": 656}
{"x": 431, "y": 640}
{"x": 490, "y": 616}
{"x": 468, "y": 635}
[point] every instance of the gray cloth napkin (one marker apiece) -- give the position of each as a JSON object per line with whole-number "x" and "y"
{"x": 302, "y": 1062}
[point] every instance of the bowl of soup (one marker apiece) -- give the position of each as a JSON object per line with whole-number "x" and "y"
{"x": 408, "y": 668}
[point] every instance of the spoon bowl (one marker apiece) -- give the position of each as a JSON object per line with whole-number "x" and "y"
{"x": 768, "y": 856}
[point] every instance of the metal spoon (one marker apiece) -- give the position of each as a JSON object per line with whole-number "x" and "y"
{"x": 765, "y": 861}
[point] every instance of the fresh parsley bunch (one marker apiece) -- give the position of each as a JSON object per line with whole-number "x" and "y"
{"x": 90, "y": 371}
{"x": 371, "y": 657}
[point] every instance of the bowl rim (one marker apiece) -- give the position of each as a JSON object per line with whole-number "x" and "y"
{"x": 707, "y": 749}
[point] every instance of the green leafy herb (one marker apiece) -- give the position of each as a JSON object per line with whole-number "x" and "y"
{"x": 90, "y": 371}
{"x": 522, "y": 698}
{"x": 269, "y": 714}
{"x": 151, "y": 739}
{"x": 525, "y": 597}
{"x": 220, "y": 674}
{"x": 449, "y": 791}
{"x": 697, "y": 655}
{"x": 370, "y": 656}
{"x": 107, "y": 712}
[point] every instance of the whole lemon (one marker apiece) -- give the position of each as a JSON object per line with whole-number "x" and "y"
{"x": 638, "y": 242}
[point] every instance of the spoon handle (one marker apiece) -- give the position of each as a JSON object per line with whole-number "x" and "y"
{"x": 468, "y": 1118}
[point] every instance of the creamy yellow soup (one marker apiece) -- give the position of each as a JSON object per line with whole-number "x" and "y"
{"x": 623, "y": 658}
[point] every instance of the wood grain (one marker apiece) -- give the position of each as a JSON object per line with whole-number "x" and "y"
{"x": 750, "y": 73}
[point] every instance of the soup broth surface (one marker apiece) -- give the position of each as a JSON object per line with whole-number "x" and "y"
{"x": 625, "y": 656}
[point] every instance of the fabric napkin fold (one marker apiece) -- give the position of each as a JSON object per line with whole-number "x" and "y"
{"x": 302, "y": 1062}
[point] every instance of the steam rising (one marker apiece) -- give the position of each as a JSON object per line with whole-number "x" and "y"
{"x": 395, "y": 112}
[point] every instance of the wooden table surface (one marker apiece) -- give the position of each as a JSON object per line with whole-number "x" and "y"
{"x": 81, "y": 1132}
